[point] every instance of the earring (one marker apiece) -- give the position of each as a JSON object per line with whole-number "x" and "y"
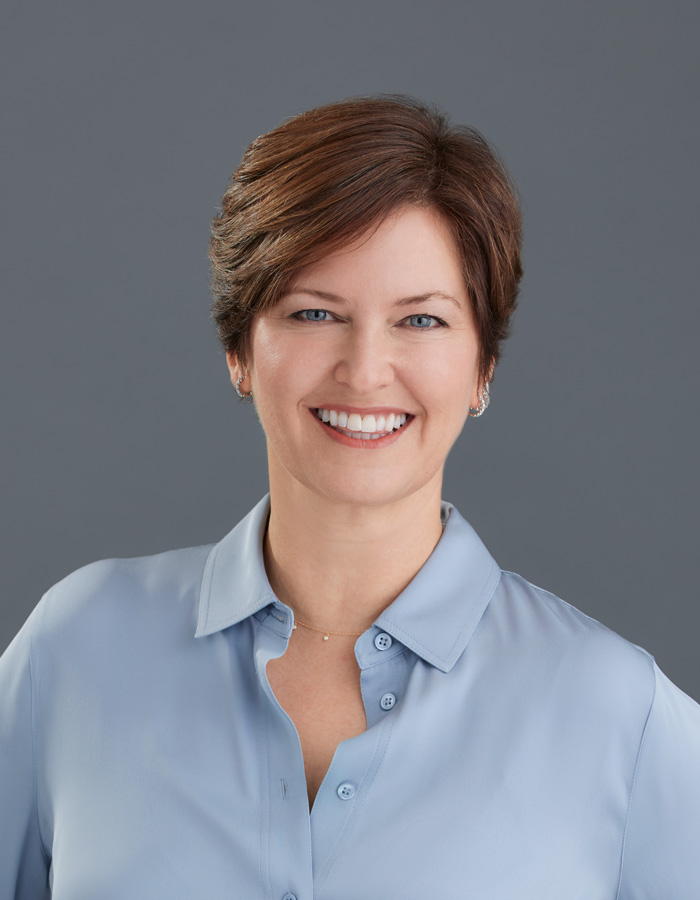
{"x": 238, "y": 389}
{"x": 484, "y": 400}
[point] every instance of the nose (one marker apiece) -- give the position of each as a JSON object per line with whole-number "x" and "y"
{"x": 366, "y": 361}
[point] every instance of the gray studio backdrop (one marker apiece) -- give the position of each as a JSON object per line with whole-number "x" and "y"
{"x": 121, "y": 433}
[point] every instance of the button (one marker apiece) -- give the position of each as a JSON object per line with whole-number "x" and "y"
{"x": 383, "y": 641}
{"x": 289, "y": 896}
{"x": 346, "y": 791}
{"x": 387, "y": 701}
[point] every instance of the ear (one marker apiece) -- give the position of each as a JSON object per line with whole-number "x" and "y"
{"x": 480, "y": 385}
{"x": 234, "y": 368}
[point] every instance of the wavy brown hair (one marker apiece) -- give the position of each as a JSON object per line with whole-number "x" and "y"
{"x": 326, "y": 176}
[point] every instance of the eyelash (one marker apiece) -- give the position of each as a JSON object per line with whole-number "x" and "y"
{"x": 300, "y": 318}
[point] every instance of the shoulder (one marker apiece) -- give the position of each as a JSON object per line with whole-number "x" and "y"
{"x": 101, "y": 618}
{"x": 571, "y": 651}
{"x": 564, "y": 628}
{"x": 138, "y": 590}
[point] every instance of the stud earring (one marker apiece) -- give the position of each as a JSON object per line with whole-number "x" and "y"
{"x": 241, "y": 394}
{"x": 484, "y": 400}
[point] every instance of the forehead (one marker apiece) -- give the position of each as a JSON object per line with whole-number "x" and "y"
{"x": 412, "y": 250}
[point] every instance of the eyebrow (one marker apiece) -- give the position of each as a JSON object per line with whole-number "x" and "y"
{"x": 404, "y": 301}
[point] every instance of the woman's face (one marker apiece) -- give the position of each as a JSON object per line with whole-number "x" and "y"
{"x": 380, "y": 327}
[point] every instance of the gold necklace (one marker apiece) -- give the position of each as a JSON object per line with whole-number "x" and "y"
{"x": 326, "y": 632}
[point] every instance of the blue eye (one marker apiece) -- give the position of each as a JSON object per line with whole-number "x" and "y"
{"x": 420, "y": 320}
{"x": 315, "y": 315}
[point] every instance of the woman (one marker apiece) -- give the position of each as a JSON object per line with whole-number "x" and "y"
{"x": 346, "y": 697}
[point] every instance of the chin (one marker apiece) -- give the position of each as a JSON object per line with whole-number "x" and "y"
{"x": 358, "y": 491}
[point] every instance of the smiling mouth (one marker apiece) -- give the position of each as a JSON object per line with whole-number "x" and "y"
{"x": 363, "y": 428}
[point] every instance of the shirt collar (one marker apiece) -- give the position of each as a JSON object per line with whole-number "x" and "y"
{"x": 234, "y": 584}
{"x": 435, "y": 615}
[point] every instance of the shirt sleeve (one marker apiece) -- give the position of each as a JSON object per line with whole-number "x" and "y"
{"x": 23, "y": 863}
{"x": 661, "y": 855}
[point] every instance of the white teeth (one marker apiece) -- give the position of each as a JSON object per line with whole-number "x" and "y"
{"x": 369, "y": 424}
{"x": 364, "y": 428}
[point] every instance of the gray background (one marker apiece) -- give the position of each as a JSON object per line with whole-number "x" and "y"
{"x": 121, "y": 434}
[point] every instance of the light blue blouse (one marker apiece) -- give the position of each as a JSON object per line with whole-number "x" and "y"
{"x": 515, "y": 748}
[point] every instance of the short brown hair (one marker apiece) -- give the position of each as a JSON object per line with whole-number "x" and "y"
{"x": 327, "y": 175}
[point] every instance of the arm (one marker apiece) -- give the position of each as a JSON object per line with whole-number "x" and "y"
{"x": 23, "y": 862}
{"x": 661, "y": 855}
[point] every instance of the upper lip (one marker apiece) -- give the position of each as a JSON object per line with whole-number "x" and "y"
{"x": 363, "y": 410}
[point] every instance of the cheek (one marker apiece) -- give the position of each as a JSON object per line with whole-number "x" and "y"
{"x": 286, "y": 367}
{"x": 268, "y": 353}
{"x": 447, "y": 378}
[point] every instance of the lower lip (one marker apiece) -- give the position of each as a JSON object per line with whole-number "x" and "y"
{"x": 358, "y": 443}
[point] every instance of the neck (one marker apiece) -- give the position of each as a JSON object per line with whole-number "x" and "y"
{"x": 339, "y": 565}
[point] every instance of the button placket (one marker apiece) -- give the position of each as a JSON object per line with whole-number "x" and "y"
{"x": 337, "y": 811}
{"x": 383, "y": 660}
{"x": 286, "y": 845}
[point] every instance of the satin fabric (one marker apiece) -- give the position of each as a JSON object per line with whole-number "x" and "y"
{"x": 529, "y": 753}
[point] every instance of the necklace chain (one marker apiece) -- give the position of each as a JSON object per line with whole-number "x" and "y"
{"x": 326, "y": 632}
